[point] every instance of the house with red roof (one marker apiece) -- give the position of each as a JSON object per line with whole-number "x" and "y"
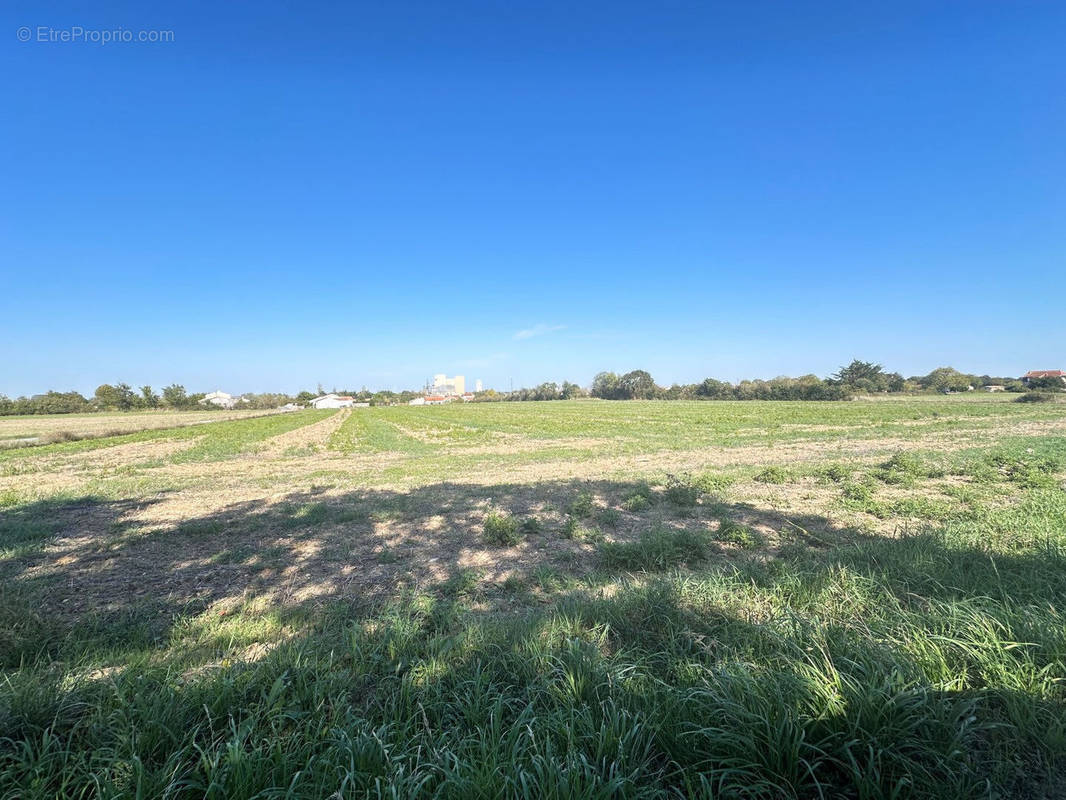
{"x": 1036, "y": 374}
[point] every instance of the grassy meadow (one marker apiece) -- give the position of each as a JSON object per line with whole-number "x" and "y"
{"x": 578, "y": 599}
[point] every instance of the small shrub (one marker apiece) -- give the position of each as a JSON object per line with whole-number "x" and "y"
{"x": 501, "y": 528}
{"x": 772, "y": 475}
{"x": 1036, "y": 397}
{"x": 657, "y": 549}
{"x": 581, "y": 506}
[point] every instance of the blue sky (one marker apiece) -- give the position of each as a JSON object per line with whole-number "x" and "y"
{"x": 366, "y": 194}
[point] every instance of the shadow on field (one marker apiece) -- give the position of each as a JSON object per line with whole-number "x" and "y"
{"x": 766, "y": 670}
{"x": 93, "y": 555}
{"x": 107, "y": 559}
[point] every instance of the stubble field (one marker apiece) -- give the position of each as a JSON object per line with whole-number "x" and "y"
{"x": 569, "y": 599}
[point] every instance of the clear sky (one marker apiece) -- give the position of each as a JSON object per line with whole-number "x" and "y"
{"x": 370, "y": 193}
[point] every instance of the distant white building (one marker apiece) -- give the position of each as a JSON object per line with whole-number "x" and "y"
{"x": 220, "y": 399}
{"x": 418, "y": 401}
{"x": 477, "y": 385}
{"x": 333, "y": 400}
{"x": 448, "y": 387}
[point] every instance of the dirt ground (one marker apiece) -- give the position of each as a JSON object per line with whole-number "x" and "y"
{"x": 291, "y": 521}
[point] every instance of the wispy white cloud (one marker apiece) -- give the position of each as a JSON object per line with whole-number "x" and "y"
{"x": 538, "y": 330}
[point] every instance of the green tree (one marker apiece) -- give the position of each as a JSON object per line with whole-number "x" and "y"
{"x": 120, "y": 397}
{"x": 174, "y": 396}
{"x": 605, "y": 386}
{"x": 60, "y": 403}
{"x": 712, "y": 389}
{"x": 149, "y": 398}
{"x": 947, "y": 379}
{"x": 858, "y": 371}
{"x": 637, "y": 385}
{"x": 571, "y": 390}
{"x": 1050, "y": 383}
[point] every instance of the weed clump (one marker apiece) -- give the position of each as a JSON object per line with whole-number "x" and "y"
{"x": 573, "y": 528}
{"x": 857, "y": 492}
{"x": 636, "y": 503}
{"x": 733, "y": 532}
{"x": 710, "y": 482}
{"x": 1029, "y": 473}
{"x": 530, "y": 526}
{"x": 581, "y": 506}
{"x": 657, "y": 549}
{"x": 681, "y": 493}
{"x": 461, "y": 583}
{"x": 772, "y": 475}
{"x": 501, "y": 529}
{"x": 609, "y": 517}
{"x": 837, "y": 473}
{"x": 309, "y": 514}
{"x": 903, "y": 469}
{"x": 640, "y": 499}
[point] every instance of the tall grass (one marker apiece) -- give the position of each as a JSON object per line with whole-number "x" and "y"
{"x": 926, "y": 666}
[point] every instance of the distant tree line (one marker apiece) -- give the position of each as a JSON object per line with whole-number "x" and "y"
{"x": 857, "y": 378}
{"x": 123, "y": 397}
{"x": 547, "y": 391}
{"x": 639, "y": 385}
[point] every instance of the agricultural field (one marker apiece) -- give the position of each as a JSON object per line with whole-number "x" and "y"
{"x": 561, "y": 599}
{"x": 49, "y": 429}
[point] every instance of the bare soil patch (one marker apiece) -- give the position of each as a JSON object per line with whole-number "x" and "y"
{"x": 309, "y": 437}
